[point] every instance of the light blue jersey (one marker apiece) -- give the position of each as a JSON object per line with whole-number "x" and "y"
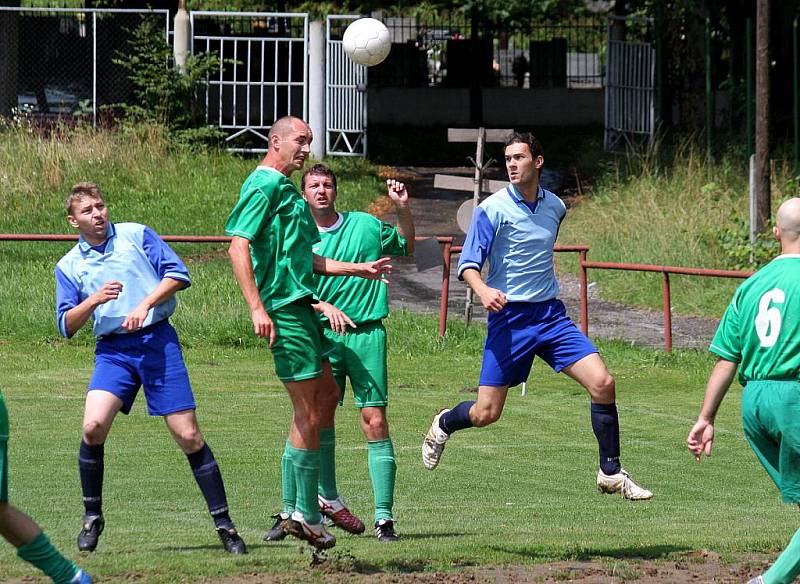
{"x": 517, "y": 239}
{"x": 132, "y": 254}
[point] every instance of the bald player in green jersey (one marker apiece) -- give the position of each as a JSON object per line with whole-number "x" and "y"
{"x": 359, "y": 353}
{"x": 760, "y": 336}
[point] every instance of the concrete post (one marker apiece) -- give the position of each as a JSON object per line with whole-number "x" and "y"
{"x": 183, "y": 37}
{"x": 316, "y": 88}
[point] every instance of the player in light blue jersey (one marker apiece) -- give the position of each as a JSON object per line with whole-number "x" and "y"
{"x": 515, "y": 230}
{"x": 125, "y": 277}
{"x": 759, "y": 335}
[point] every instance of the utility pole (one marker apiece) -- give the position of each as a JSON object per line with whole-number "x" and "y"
{"x": 761, "y": 171}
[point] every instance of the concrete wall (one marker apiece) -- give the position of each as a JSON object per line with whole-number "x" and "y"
{"x": 502, "y": 106}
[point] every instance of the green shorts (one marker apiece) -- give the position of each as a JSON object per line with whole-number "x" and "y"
{"x": 771, "y": 421}
{"x": 299, "y": 345}
{"x": 3, "y": 451}
{"x": 361, "y": 355}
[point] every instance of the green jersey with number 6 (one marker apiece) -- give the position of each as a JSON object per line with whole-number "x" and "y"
{"x": 357, "y": 237}
{"x": 760, "y": 329}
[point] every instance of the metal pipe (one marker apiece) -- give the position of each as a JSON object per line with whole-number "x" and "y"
{"x": 667, "y": 308}
{"x": 446, "y": 251}
{"x": 584, "y": 294}
{"x": 670, "y": 269}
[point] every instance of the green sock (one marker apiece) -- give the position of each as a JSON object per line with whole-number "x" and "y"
{"x": 787, "y": 566}
{"x": 306, "y": 476}
{"x": 288, "y": 486}
{"x": 327, "y": 463}
{"x": 42, "y": 554}
{"x": 382, "y": 471}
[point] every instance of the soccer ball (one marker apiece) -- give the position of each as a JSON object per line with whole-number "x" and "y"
{"x": 367, "y": 41}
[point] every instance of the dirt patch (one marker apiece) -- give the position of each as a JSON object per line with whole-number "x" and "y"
{"x": 700, "y": 566}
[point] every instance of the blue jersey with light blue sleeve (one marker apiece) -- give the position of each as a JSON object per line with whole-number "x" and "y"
{"x": 132, "y": 254}
{"x": 517, "y": 239}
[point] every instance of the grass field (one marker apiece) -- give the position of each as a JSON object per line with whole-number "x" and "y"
{"x": 519, "y": 492}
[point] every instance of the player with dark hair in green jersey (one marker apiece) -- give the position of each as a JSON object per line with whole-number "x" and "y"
{"x": 760, "y": 336}
{"x": 271, "y": 254}
{"x": 21, "y": 531}
{"x": 360, "y": 353}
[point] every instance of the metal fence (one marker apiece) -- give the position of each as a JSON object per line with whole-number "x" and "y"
{"x": 443, "y": 52}
{"x": 58, "y": 63}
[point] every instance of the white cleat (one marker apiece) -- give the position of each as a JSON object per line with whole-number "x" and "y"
{"x": 315, "y": 534}
{"x": 622, "y": 483}
{"x": 433, "y": 444}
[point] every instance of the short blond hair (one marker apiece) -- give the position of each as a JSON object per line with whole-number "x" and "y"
{"x": 81, "y": 190}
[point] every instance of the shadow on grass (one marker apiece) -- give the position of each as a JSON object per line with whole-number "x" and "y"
{"x": 585, "y": 554}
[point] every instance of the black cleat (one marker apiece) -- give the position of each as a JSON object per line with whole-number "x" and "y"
{"x": 384, "y": 530}
{"x": 277, "y": 531}
{"x": 231, "y": 541}
{"x": 90, "y": 532}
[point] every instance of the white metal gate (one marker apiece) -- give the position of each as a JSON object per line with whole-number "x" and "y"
{"x": 630, "y": 114}
{"x": 263, "y": 72}
{"x": 345, "y": 94}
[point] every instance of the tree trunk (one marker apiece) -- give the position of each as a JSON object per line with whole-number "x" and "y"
{"x": 762, "y": 177}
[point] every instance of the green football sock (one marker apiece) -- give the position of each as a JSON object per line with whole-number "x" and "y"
{"x": 306, "y": 476}
{"x": 787, "y": 566}
{"x": 382, "y": 471}
{"x": 327, "y": 463}
{"x": 42, "y": 554}
{"x": 288, "y": 486}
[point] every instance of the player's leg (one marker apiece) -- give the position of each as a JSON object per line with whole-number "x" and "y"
{"x": 21, "y": 531}
{"x": 382, "y": 470}
{"x": 186, "y": 433}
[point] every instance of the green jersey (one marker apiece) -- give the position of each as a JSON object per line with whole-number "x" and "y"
{"x": 357, "y": 237}
{"x": 272, "y": 215}
{"x": 760, "y": 329}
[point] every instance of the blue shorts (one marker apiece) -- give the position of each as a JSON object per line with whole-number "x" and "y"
{"x": 149, "y": 358}
{"x": 523, "y": 330}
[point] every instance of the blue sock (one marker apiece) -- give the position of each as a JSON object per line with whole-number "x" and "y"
{"x": 209, "y": 479}
{"x": 457, "y": 418}
{"x": 90, "y": 467}
{"x": 605, "y": 424}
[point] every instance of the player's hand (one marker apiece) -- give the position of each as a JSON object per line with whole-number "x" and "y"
{"x": 338, "y": 319}
{"x": 108, "y": 291}
{"x": 701, "y": 439}
{"x": 263, "y": 325}
{"x": 492, "y": 299}
{"x": 397, "y": 193}
{"x": 135, "y": 320}
{"x": 376, "y": 270}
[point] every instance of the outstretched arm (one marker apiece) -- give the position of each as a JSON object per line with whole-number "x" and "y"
{"x": 701, "y": 436}
{"x": 405, "y": 221}
{"x": 239, "y": 254}
{"x": 369, "y": 270}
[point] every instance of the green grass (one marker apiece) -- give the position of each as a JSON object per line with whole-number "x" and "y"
{"x": 519, "y": 492}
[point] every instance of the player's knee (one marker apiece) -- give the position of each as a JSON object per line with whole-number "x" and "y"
{"x": 376, "y": 428}
{"x": 483, "y": 416}
{"x": 189, "y": 439}
{"x": 604, "y": 389}
{"x": 94, "y": 432}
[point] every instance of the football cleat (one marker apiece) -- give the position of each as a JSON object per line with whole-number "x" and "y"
{"x": 337, "y": 513}
{"x": 231, "y": 541}
{"x": 622, "y": 483}
{"x": 89, "y": 535}
{"x": 756, "y": 580}
{"x": 315, "y": 534}
{"x": 384, "y": 530}
{"x": 81, "y": 578}
{"x": 277, "y": 532}
{"x": 433, "y": 443}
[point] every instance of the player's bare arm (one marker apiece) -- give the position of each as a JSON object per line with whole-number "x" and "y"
{"x": 701, "y": 436}
{"x": 165, "y": 290}
{"x": 492, "y": 299}
{"x": 370, "y": 270}
{"x": 77, "y": 316}
{"x": 339, "y": 320}
{"x": 398, "y": 194}
{"x": 239, "y": 254}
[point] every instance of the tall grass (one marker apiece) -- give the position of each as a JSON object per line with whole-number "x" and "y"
{"x": 668, "y": 215}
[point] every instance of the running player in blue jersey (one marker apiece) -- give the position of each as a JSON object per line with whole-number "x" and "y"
{"x": 760, "y": 336}
{"x": 125, "y": 278}
{"x": 515, "y": 230}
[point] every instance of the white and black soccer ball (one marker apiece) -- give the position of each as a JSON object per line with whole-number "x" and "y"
{"x": 367, "y": 41}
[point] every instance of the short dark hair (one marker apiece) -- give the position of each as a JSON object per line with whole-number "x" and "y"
{"x": 320, "y": 170}
{"x": 525, "y": 138}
